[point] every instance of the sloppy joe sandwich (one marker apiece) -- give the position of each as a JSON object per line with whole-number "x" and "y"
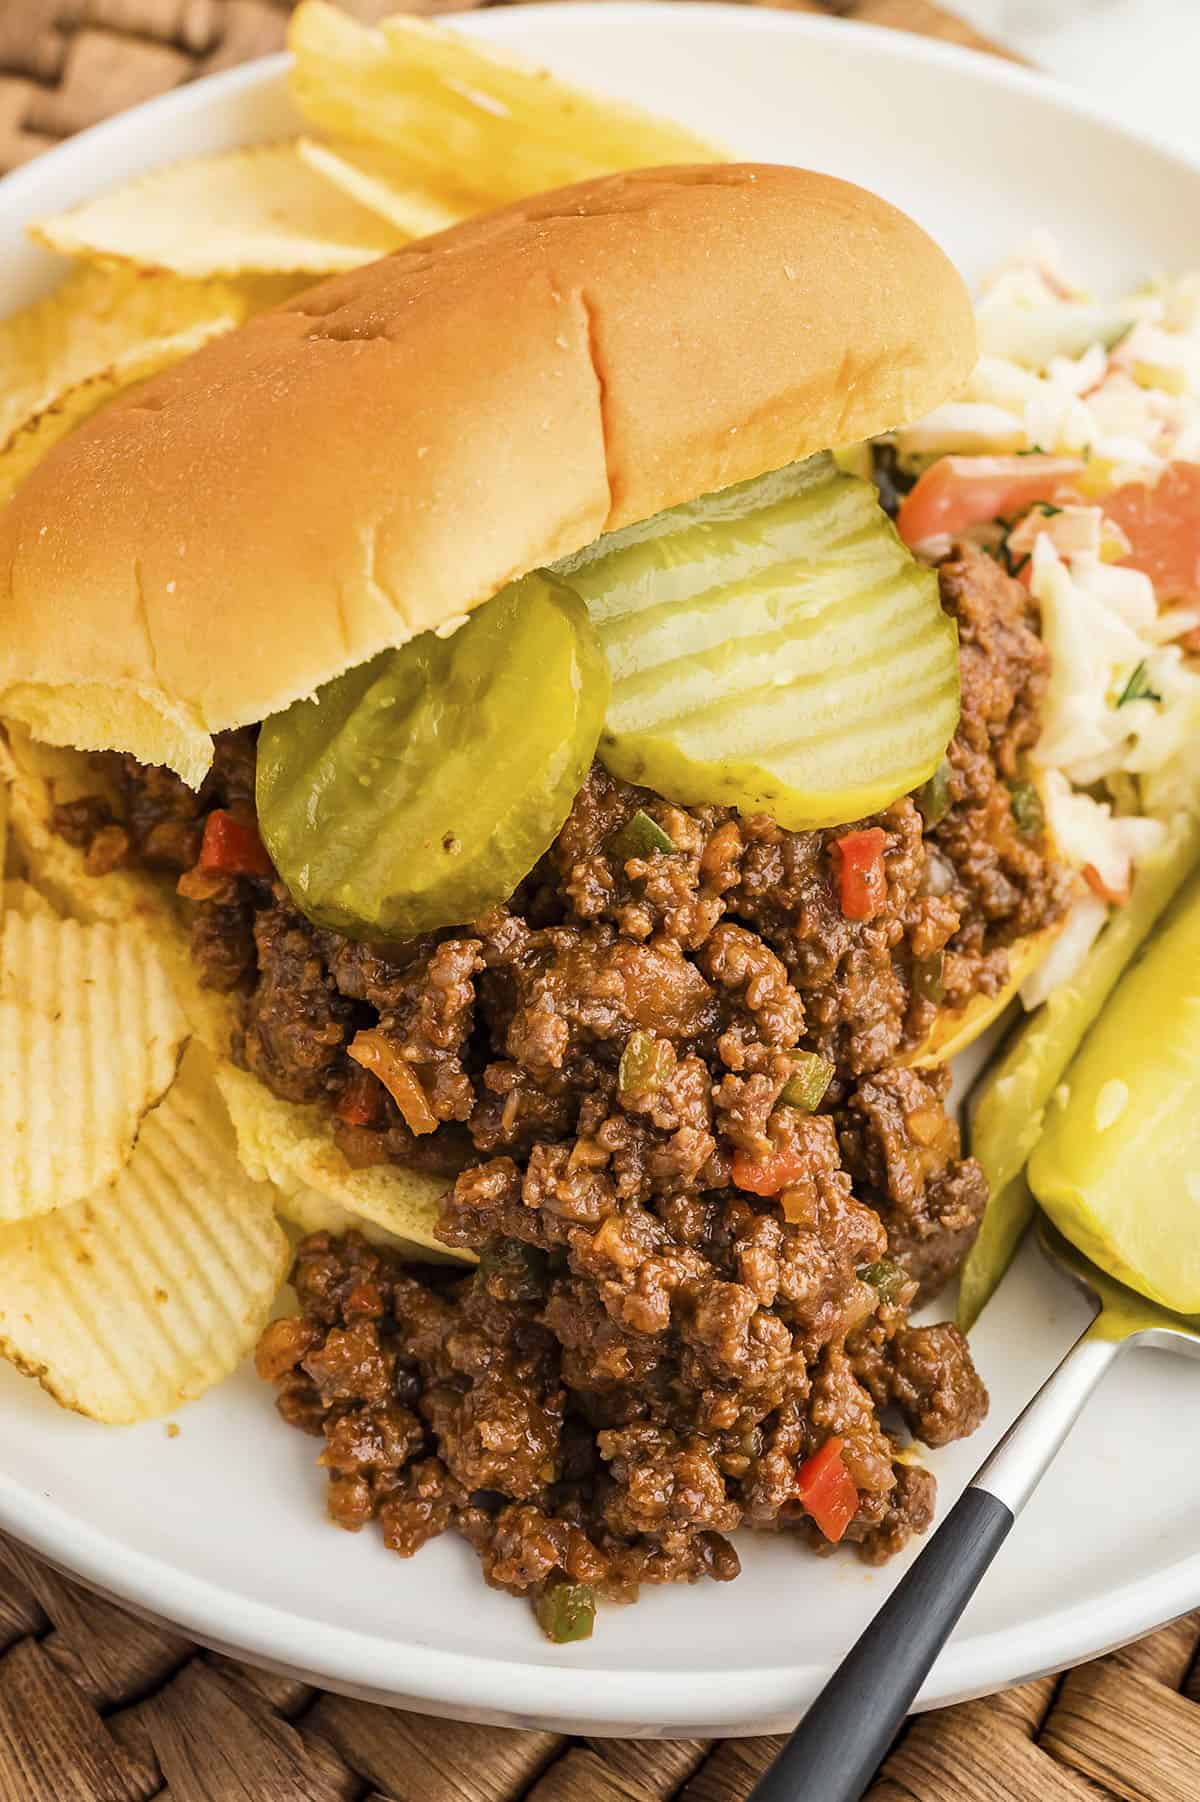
{"x": 594, "y": 828}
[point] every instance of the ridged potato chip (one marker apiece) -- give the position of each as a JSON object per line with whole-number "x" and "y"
{"x": 293, "y": 1147}
{"x": 34, "y": 778}
{"x": 20, "y": 897}
{"x": 144, "y": 1294}
{"x": 259, "y": 211}
{"x": 100, "y": 322}
{"x": 25, "y": 450}
{"x": 313, "y": 1212}
{"x": 440, "y": 102}
{"x": 382, "y": 180}
{"x": 90, "y": 1035}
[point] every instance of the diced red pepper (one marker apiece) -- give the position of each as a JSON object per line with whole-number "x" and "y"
{"x": 862, "y": 884}
{"x": 956, "y": 493}
{"x": 767, "y": 1176}
{"x": 827, "y": 1489}
{"x": 361, "y": 1101}
{"x": 1162, "y": 524}
{"x": 232, "y": 847}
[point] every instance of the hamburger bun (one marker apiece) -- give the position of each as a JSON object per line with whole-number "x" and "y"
{"x": 386, "y": 451}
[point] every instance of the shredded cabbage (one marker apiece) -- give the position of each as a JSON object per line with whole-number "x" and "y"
{"x": 1117, "y": 384}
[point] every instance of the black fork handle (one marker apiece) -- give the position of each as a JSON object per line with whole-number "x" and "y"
{"x": 840, "y": 1743}
{"x": 838, "y": 1746}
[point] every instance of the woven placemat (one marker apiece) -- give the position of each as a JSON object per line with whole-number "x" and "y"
{"x": 97, "y": 1706}
{"x": 65, "y": 64}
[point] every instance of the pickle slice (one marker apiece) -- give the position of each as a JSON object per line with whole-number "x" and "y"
{"x": 1117, "y": 1167}
{"x": 417, "y": 790}
{"x": 773, "y": 647}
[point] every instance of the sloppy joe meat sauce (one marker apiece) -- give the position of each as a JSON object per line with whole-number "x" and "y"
{"x": 685, "y": 1290}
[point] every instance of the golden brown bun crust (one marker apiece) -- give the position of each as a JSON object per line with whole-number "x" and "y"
{"x": 386, "y": 451}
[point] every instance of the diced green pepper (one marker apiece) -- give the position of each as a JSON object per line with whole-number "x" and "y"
{"x": 566, "y": 1611}
{"x": 1027, "y": 808}
{"x": 885, "y": 1276}
{"x": 806, "y": 1086}
{"x": 641, "y": 836}
{"x": 510, "y": 1270}
{"x": 928, "y": 977}
{"x": 933, "y": 797}
{"x": 646, "y": 1064}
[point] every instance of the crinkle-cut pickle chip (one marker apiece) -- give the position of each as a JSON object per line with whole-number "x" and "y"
{"x": 773, "y": 647}
{"x": 90, "y": 1036}
{"x": 1117, "y": 1167}
{"x": 143, "y": 1295}
{"x": 417, "y": 790}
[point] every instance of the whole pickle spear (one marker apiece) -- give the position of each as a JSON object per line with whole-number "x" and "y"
{"x": 418, "y": 789}
{"x": 773, "y": 647}
{"x": 1009, "y": 1104}
{"x": 1117, "y": 1167}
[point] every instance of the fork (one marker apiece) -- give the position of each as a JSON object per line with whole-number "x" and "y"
{"x": 845, "y": 1734}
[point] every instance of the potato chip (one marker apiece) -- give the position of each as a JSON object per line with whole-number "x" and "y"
{"x": 20, "y": 897}
{"x": 262, "y": 210}
{"x": 293, "y": 1147}
{"x": 90, "y": 1034}
{"x": 144, "y": 1294}
{"x": 313, "y": 1212}
{"x": 118, "y": 324}
{"x": 34, "y": 778}
{"x": 382, "y": 180}
{"x": 25, "y": 450}
{"x": 439, "y": 101}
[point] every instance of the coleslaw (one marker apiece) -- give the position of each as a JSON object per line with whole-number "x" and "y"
{"x": 1073, "y": 457}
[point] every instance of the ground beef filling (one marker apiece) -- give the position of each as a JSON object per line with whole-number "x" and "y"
{"x": 650, "y": 1348}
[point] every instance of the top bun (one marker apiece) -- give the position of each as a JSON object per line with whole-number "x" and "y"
{"x": 390, "y": 448}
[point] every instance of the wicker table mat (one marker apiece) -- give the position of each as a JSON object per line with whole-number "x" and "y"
{"x": 96, "y": 1706}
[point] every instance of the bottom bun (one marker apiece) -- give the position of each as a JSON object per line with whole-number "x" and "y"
{"x": 292, "y": 1146}
{"x": 956, "y": 1028}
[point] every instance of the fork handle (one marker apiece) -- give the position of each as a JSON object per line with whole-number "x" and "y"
{"x": 838, "y": 1746}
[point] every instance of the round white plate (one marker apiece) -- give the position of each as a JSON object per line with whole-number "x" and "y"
{"x": 221, "y": 1528}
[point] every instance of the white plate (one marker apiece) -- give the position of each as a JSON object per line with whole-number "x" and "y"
{"x": 221, "y": 1529}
